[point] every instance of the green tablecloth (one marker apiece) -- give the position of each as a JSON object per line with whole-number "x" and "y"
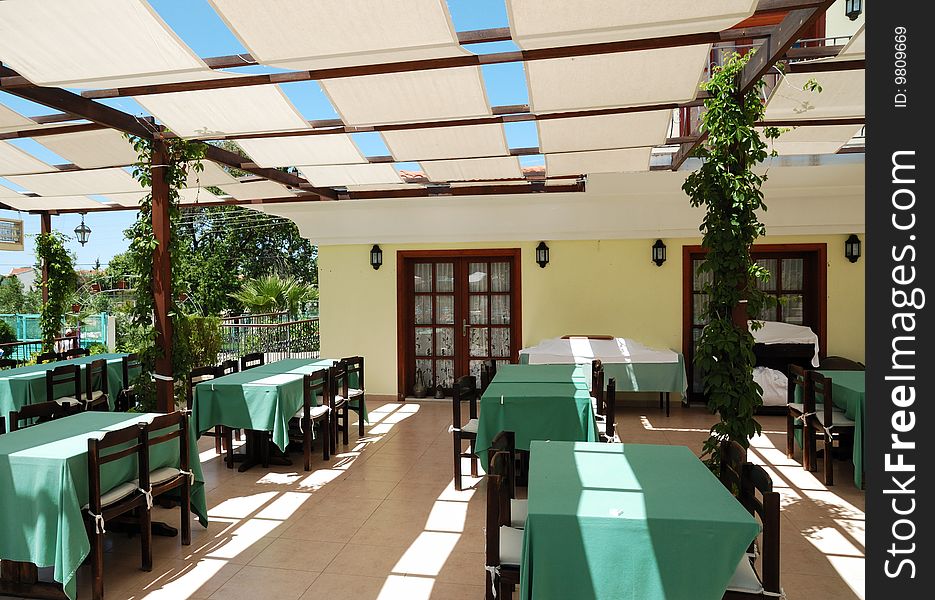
{"x": 44, "y": 484}
{"x": 306, "y": 366}
{"x": 641, "y": 377}
{"x": 628, "y": 522}
{"x": 526, "y": 373}
{"x": 26, "y": 385}
{"x": 535, "y": 411}
{"x": 847, "y": 393}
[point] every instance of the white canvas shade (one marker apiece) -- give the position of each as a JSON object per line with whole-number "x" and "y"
{"x": 10, "y": 120}
{"x": 92, "y": 149}
{"x": 303, "y": 35}
{"x": 842, "y": 96}
{"x": 27, "y": 203}
{"x": 186, "y": 196}
{"x": 255, "y": 190}
{"x": 208, "y": 113}
{"x": 409, "y": 97}
{"x": 600, "y": 161}
{"x": 537, "y": 24}
{"x": 447, "y": 142}
{"x": 72, "y": 183}
{"x": 622, "y": 79}
{"x": 14, "y": 161}
{"x": 600, "y": 132}
{"x": 816, "y": 139}
{"x": 212, "y": 175}
{"x": 506, "y": 167}
{"x": 343, "y": 175}
{"x": 302, "y": 150}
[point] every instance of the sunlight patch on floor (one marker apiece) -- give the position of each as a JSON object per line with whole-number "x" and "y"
{"x": 427, "y": 554}
{"x": 410, "y": 588}
{"x": 284, "y": 507}
{"x": 186, "y": 584}
{"x": 241, "y": 506}
{"x": 320, "y": 478}
{"x": 247, "y": 534}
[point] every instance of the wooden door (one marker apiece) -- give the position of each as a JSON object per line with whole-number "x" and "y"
{"x": 457, "y": 309}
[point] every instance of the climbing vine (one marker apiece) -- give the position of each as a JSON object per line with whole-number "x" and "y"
{"x": 730, "y": 191}
{"x": 183, "y": 157}
{"x": 61, "y": 281}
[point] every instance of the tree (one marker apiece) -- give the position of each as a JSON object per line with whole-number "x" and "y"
{"x": 273, "y": 293}
{"x": 12, "y": 295}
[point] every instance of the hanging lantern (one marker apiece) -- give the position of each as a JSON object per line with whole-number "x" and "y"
{"x": 82, "y": 232}
{"x": 659, "y": 253}
{"x": 852, "y": 9}
{"x": 852, "y": 248}
{"x": 542, "y": 254}
{"x": 376, "y": 257}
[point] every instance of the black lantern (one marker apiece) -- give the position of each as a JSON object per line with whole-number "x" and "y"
{"x": 659, "y": 253}
{"x": 82, "y": 232}
{"x": 852, "y": 248}
{"x": 376, "y": 257}
{"x": 852, "y": 9}
{"x": 542, "y": 254}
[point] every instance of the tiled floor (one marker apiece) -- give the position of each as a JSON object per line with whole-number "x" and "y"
{"x": 383, "y": 521}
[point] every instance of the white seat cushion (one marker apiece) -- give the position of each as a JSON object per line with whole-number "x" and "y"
{"x": 68, "y": 401}
{"x": 745, "y": 579}
{"x": 96, "y": 394}
{"x": 315, "y": 412}
{"x": 511, "y": 545}
{"x": 118, "y": 493}
{"x": 470, "y": 426}
{"x": 797, "y": 407}
{"x": 162, "y": 475}
{"x": 354, "y": 392}
{"x": 518, "y": 511}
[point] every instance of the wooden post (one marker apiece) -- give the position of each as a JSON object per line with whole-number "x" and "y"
{"x": 162, "y": 279}
{"x": 45, "y": 226}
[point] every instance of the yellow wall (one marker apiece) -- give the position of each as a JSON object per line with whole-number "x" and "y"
{"x": 606, "y": 286}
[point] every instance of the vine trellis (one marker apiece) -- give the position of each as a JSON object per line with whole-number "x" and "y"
{"x": 60, "y": 281}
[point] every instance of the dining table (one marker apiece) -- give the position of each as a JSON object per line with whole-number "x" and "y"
{"x": 536, "y": 402}
{"x": 27, "y": 385}
{"x": 261, "y": 399}
{"x": 628, "y": 522}
{"x": 44, "y": 485}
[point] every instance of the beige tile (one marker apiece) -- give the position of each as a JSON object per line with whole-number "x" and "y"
{"x": 323, "y": 528}
{"x": 330, "y": 586}
{"x": 300, "y": 555}
{"x": 367, "y": 560}
{"x": 252, "y": 582}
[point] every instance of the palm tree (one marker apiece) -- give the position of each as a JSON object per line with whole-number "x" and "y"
{"x": 272, "y": 293}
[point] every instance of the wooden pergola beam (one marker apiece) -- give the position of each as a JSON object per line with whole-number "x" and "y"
{"x": 789, "y": 30}
{"x": 826, "y": 66}
{"x": 162, "y": 279}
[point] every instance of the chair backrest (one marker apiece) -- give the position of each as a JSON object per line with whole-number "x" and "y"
{"x": 47, "y": 357}
{"x": 75, "y": 352}
{"x": 96, "y": 369}
{"x": 8, "y": 363}
{"x": 197, "y": 375}
{"x": 2, "y": 425}
{"x": 128, "y": 363}
{"x": 505, "y": 441}
{"x": 63, "y": 376}
{"x": 597, "y": 384}
{"x": 758, "y": 497}
{"x": 733, "y": 459}
{"x": 115, "y": 445}
{"x": 820, "y": 389}
{"x": 610, "y": 409}
{"x": 488, "y": 370}
{"x": 316, "y": 384}
{"x": 796, "y": 379}
{"x": 839, "y": 363}
{"x": 354, "y": 365}
{"x": 337, "y": 381}
{"x": 41, "y": 412}
{"x": 254, "y": 359}
{"x": 177, "y": 425}
{"x": 465, "y": 388}
{"x": 498, "y": 504}
{"x": 226, "y": 368}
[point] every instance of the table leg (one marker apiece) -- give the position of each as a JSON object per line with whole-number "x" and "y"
{"x": 258, "y": 451}
{"x": 21, "y": 580}
{"x": 667, "y": 404}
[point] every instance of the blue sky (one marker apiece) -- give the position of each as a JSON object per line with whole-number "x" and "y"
{"x": 200, "y": 27}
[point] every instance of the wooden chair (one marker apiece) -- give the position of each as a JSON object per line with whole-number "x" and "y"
{"x": 839, "y": 363}
{"x": 2, "y": 425}
{"x": 795, "y": 408}
{"x": 733, "y": 459}
{"x": 826, "y": 422}
{"x": 504, "y": 543}
{"x": 75, "y": 352}
{"x": 197, "y": 375}
{"x": 488, "y": 370}
{"x": 166, "y": 479}
{"x": 254, "y": 359}
{"x": 65, "y": 376}
{"x": 597, "y": 386}
{"x": 8, "y": 363}
{"x": 105, "y": 505}
{"x": 340, "y": 406}
{"x": 315, "y": 385}
{"x": 505, "y": 441}
{"x": 465, "y": 388}
{"x": 48, "y": 357}
{"x": 356, "y": 400}
{"x": 96, "y": 399}
{"x": 126, "y": 396}
{"x": 226, "y": 368}
{"x": 747, "y": 583}
{"x": 41, "y": 412}
{"x": 610, "y": 411}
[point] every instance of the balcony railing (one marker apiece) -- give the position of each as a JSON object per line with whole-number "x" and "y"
{"x": 276, "y": 339}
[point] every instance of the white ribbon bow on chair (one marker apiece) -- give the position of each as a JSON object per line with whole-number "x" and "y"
{"x": 98, "y": 523}
{"x": 149, "y": 498}
{"x": 494, "y": 575}
{"x": 191, "y": 476}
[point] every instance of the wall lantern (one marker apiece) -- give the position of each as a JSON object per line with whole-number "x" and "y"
{"x": 542, "y": 254}
{"x": 376, "y": 257}
{"x": 659, "y": 253}
{"x": 82, "y": 232}
{"x": 852, "y": 9}
{"x": 852, "y": 248}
